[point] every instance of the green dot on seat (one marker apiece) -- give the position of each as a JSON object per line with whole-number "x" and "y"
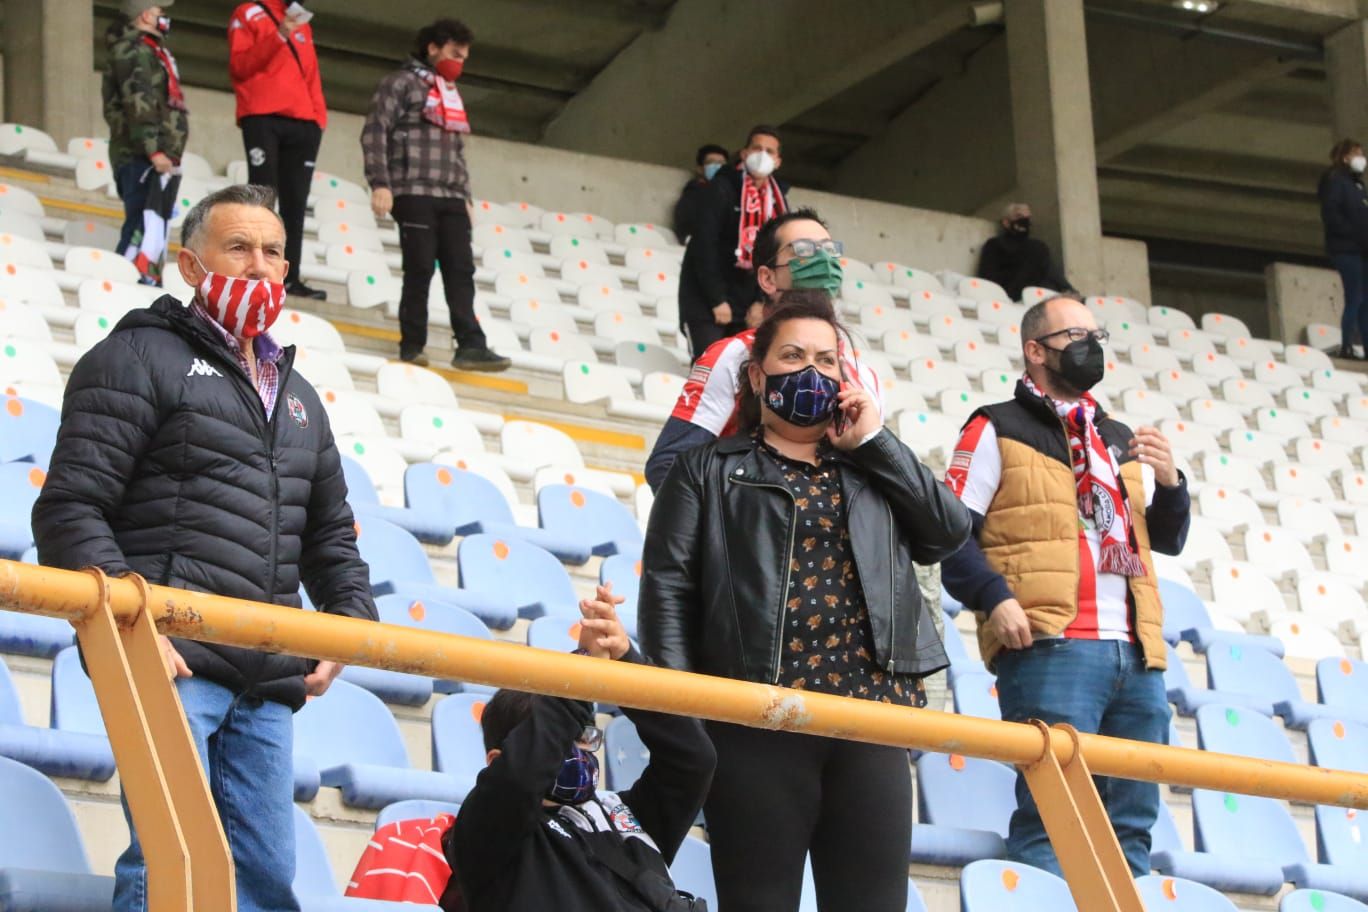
{"x": 1163, "y": 311}
{"x": 332, "y": 183}
{"x": 909, "y": 273}
{"x": 574, "y": 242}
{"x": 921, "y": 418}
{"x": 18, "y": 128}
{"x": 964, "y": 397}
{"x": 185, "y": 203}
{"x": 1232, "y": 803}
{"x": 641, "y": 346}
{"x": 1225, "y": 460}
{"x": 1249, "y": 436}
{"x": 1232, "y": 717}
{"x": 359, "y": 449}
{"x": 1305, "y": 394}
{"x": 584, "y": 368}
{"x": 508, "y": 254}
{"x": 1236, "y": 653}
{"x": 632, "y": 230}
{"x": 1125, "y": 326}
{"x": 1272, "y": 413}
{"x": 10, "y": 351}
{"x": 859, "y": 284}
{"x": 437, "y": 422}
{"x": 370, "y": 280}
{"x": 1317, "y": 900}
{"x": 104, "y": 322}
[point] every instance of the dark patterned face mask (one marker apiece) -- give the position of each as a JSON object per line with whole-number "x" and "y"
{"x": 802, "y": 398}
{"x": 577, "y": 778}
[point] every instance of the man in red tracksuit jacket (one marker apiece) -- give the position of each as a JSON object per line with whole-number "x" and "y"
{"x": 280, "y": 108}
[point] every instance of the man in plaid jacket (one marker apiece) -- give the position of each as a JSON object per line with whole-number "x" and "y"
{"x": 415, "y": 164}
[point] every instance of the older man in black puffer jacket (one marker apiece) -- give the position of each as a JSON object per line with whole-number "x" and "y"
{"x": 191, "y": 452}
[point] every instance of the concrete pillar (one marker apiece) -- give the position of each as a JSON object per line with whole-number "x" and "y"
{"x": 1052, "y": 124}
{"x": 47, "y": 65}
{"x": 1346, "y": 69}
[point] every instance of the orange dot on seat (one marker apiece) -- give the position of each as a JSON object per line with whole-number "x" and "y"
{"x": 36, "y": 477}
{"x": 443, "y": 476}
{"x": 574, "y": 630}
{"x": 1010, "y": 879}
{"x": 956, "y": 761}
{"x": 417, "y": 611}
{"x": 577, "y": 498}
{"x": 14, "y": 407}
{"x": 477, "y": 711}
{"x": 1339, "y": 730}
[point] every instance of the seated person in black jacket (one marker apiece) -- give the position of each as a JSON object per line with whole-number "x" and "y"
{"x": 536, "y": 834}
{"x": 1017, "y": 261}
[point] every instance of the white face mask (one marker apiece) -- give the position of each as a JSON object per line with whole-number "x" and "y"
{"x": 760, "y": 163}
{"x": 1358, "y": 163}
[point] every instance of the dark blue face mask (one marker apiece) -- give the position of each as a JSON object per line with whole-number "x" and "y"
{"x": 577, "y": 778}
{"x": 802, "y": 398}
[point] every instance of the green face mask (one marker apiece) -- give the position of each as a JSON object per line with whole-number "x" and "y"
{"x": 821, "y": 270}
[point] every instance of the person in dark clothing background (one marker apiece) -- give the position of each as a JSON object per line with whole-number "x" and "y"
{"x": 415, "y": 164}
{"x": 273, "y": 65}
{"x": 717, "y": 279}
{"x": 784, "y": 555}
{"x": 192, "y": 453}
{"x": 535, "y": 833}
{"x": 707, "y": 162}
{"x": 1015, "y": 260}
{"x": 1344, "y": 212}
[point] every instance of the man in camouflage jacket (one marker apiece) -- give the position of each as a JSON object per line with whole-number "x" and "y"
{"x": 145, "y": 110}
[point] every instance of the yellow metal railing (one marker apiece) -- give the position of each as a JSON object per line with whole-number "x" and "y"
{"x": 189, "y": 866}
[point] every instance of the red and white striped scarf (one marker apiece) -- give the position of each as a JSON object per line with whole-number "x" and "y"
{"x": 443, "y": 106}
{"x": 1101, "y": 496}
{"x": 175, "y": 98}
{"x": 756, "y": 209}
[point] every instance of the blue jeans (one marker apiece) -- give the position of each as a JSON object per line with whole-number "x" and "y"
{"x": 128, "y": 180}
{"x": 246, "y": 745}
{"x": 1098, "y": 686}
{"x": 1354, "y": 320}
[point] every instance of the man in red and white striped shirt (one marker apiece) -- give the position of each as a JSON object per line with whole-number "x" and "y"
{"x": 1059, "y": 570}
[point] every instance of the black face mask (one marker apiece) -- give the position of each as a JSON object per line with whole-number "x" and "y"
{"x": 1021, "y": 226}
{"x": 1082, "y": 364}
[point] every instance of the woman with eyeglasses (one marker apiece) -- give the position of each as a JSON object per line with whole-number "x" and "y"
{"x": 784, "y": 555}
{"x": 536, "y": 832}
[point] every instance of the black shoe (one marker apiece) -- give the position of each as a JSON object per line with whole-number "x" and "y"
{"x": 300, "y": 290}
{"x": 479, "y": 359}
{"x": 418, "y": 359}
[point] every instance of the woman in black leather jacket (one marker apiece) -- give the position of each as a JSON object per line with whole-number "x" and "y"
{"x": 784, "y": 555}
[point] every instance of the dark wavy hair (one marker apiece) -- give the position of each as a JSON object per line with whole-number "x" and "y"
{"x": 793, "y": 304}
{"x": 440, "y": 33}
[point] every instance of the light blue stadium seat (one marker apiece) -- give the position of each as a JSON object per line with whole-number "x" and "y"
{"x": 472, "y": 504}
{"x": 960, "y": 661}
{"x": 414, "y": 809}
{"x": 457, "y": 739}
{"x": 1238, "y": 669}
{"x": 43, "y": 862}
{"x": 624, "y": 572}
{"x": 1164, "y": 834}
{"x": 1174, "y": 894}
{"x": 426, "y": 525}
{"x": 399, "y": 564}
{"x": 20, "y": 483}
{"x": 1186, "y": 618}
{"x": 74, "y": 753}
{"x": 1343, "y": 685}
{"x": 1005, "y": 886}
{"x": 964, "y": 807}
{"x": 626, "y": 755}
{"x": 949, "y": 604}
{"x": 436, "y": 617}
{"x": 1319, "y": 901}
{"x": 601, "y": 521}
{"x": 357, "y": 747}
{"x": 691, "y": 870}
{"x": 976, "y": 695}
{"x": 28, "y": 431}
{"x": 1339, "y": 838}
{"x": 1235, "y": 730}
{"x": 33, "y": 634}
{"x": 1252, "y": 846}
{"x": 315, "y": 885}
{"x": 1338, "y": 745}
{"x": 558, "y": 634}
{"x": 1188, "y": 697}
{"x": 518, "y": 573}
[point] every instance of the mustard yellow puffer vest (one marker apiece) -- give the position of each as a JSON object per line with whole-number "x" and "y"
{"x": 1030, "y": 533}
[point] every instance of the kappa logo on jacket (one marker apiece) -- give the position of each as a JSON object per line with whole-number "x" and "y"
{"x": 201, "y": 368}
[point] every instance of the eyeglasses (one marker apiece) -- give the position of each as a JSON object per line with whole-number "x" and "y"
{"x": 1078, "y": 334}
{"x": 806, "y": 247}
{"x": 591, "y": 739}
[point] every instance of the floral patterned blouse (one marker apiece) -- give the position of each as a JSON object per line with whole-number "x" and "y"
{"x": 828, "y": 641}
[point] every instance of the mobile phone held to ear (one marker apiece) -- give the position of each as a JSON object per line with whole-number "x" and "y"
{"x": 839, "y": 422}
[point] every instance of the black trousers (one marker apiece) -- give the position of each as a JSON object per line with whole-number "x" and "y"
{"x": 436, "y": 230}
{"x": 778, "y": 796}
{"x": 703, "y": 333}
{"x": 280, "y": 154}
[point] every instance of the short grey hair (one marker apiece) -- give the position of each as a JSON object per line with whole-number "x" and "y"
{"x": 1012, "y": 210}
{"x": 236, "y": 194}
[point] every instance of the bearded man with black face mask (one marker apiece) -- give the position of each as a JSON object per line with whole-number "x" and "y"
{"x": 1015, "y": 260}
{"x": 1059, "y": 570}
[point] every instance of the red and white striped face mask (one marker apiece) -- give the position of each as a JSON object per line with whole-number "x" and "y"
{"x": 244, "y": 307}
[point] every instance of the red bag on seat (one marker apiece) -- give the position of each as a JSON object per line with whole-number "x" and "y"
{"x": 404, "y": 862}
